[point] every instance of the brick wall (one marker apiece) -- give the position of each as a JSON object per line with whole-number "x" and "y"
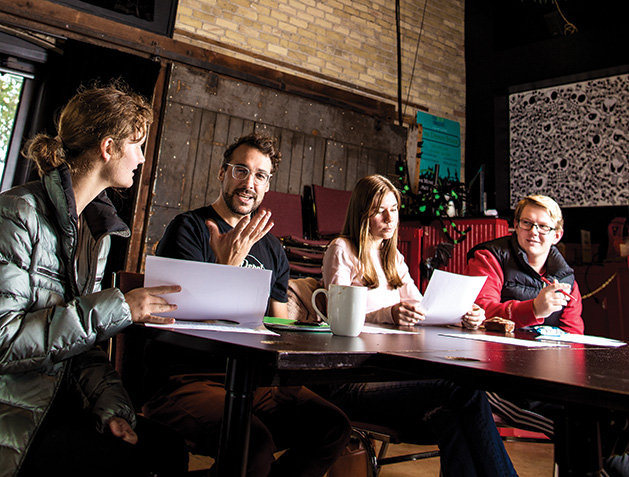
{"x": 349, "y": 44}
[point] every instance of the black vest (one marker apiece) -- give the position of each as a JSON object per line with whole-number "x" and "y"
{"x": 521, "y": 282}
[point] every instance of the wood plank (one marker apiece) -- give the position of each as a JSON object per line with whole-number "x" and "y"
{"x": 283, "y": 172}
{"x": 308, "y": 163}
{"x": 174, "y": 154}
{"x": 201, "y": 178}
{"x": 318, "y": 170}
{"x": 353, "y": 159}
{"x": 335, "y": 165}
{"x": 297, "y": 160}
{"x": 253, "y": 102}
{"x": 363, "y": 163}
{"x": 220, "y": 143}
{"x": 142, "y": 206}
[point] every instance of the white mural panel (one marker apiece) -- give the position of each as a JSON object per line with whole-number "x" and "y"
{"x": 570, "y": 142}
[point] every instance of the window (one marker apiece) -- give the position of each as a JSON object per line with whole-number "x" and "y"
{"x": 10, "y": 93}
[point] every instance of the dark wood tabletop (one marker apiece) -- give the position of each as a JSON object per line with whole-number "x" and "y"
{"x": 585, "y": 376}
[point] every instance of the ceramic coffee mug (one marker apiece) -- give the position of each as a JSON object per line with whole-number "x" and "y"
{"x": 346, "y": 308}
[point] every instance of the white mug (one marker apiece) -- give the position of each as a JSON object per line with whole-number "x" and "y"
{"x": 346, "y": 308}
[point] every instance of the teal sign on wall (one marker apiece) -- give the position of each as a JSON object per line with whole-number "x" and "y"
{"x": 441, "y": 145}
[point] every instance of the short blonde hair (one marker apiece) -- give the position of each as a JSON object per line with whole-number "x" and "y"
{"x": 545, "y": 203}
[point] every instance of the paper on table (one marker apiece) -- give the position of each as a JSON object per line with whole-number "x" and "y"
{"x": 583, "y": 339}
{"x": 449, "y": 296}
{"x": 210, "y": 291}
{"x": 507, "y": 340}
{"x": 200, "y": 325}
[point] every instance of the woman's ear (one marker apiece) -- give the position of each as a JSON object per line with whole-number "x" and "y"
{"x": 107, "y": 148}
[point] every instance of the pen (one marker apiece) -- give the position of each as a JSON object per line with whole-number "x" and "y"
{"x": 548, "y": 282}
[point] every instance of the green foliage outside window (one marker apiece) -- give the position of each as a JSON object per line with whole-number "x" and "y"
{"x": 10, "y": 89}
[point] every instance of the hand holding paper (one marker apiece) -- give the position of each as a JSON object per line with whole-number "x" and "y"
{"x": 449, "y": 297}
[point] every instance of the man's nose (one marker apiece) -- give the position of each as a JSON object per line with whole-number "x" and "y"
{"x": 250, "y": 181}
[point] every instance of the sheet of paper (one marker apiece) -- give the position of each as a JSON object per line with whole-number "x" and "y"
{"x": 507, "y": 340}
{"x": 583, "y": 339}
{"x": 449, "y": 296}
{"x": 210, "y": 291}
{"x": 200, "y": 325}
{"x": 379, "y": 330}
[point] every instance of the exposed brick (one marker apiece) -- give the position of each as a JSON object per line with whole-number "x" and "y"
{"x": 352, "y": 41}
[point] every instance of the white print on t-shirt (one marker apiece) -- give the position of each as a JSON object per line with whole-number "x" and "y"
{"x": 250, "y": 258}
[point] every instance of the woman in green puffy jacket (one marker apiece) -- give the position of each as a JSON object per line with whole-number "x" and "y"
{"x": 63, "y": 410}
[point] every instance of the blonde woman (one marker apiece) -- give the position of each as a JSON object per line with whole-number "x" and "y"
{"x": 459, "y": 419}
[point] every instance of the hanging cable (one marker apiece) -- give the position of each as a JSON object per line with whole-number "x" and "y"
{"x": 569, "y": 28}
{"x": 419, "y": 37}
{"x": 399, "y": 61}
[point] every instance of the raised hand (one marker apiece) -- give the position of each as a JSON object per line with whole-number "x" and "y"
{"x": 231, "y": 248}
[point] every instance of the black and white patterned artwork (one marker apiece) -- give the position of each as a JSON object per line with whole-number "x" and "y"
{"x": 570, "y": 142}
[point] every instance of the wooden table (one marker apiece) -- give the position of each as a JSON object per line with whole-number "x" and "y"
{"x": 582, "y": 378}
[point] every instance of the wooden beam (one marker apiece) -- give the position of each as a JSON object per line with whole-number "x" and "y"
{"x": 136, "y": 249}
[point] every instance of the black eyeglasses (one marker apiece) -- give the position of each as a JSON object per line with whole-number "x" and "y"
{"x": 241, "y": 173}
{"x": 541, "y": 229}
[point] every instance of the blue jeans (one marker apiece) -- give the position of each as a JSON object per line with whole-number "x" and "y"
{"x": 459, "y": 419}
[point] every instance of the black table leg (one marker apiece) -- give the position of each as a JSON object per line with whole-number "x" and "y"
{"x": 234, "y": 442}
{"x": 578, "y": 443}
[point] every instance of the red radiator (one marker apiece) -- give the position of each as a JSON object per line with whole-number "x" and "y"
{"x": 481, "y": 230}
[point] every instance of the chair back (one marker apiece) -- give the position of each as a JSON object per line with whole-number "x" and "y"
{"x": 330, "y": 208}
{"x": 287, "y": 213}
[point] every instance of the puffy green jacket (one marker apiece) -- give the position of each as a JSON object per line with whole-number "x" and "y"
{"x": 52, "y": 312}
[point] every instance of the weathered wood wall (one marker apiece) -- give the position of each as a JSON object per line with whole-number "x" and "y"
{"x": 320, "y": 144}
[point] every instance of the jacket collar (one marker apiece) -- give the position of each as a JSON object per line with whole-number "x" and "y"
{"x": 100, "y": 214}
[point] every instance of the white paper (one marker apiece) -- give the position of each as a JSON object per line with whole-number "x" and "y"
{"x": 583, "y": 339}
{"x": 507, "y": 340}
{"x": 210, "y": 291}
{"x": 449, "y": 296}
{"x": 200, "y": 325}
{"x": 378, "y": 330}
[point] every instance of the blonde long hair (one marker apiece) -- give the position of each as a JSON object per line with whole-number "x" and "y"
{"x": 364, "y": 204}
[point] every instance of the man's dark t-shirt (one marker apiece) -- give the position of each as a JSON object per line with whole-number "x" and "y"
{"x": 188, "y": 238}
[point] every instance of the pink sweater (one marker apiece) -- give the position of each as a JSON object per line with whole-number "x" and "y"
{"x": 340, "y": 266}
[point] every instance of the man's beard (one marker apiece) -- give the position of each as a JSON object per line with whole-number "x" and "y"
{"x": 230, "y": 200}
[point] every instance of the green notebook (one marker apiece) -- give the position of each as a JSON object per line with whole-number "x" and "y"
{"x": 286, "y": 324}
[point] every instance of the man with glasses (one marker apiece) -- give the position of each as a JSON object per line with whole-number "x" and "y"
{"x": 519, "y": 268}
{"x": 186, "y": 387}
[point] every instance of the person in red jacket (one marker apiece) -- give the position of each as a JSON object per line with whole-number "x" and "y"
{"x": 519, "y": 267}
{"x": 530, "y": 283}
